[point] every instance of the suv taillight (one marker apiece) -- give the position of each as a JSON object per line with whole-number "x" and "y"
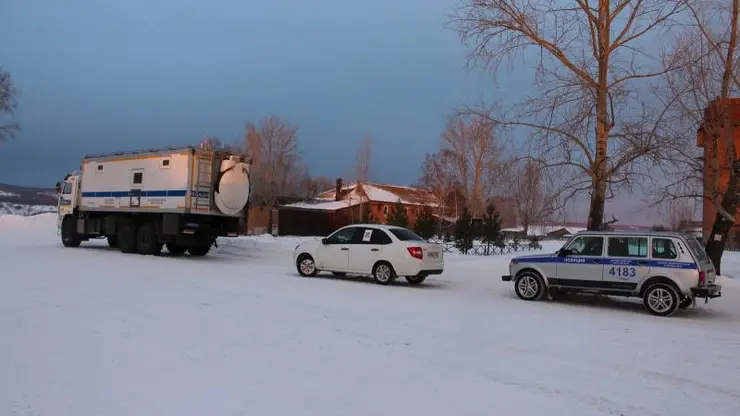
{"x": 702, "y": 278}
{"x": 416, "y": 252}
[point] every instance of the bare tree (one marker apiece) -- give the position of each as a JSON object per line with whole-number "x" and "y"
{"x": 590, "y": 120}
{"x": 438, "y": 176}
{"x": 363, "y": 159}
{"x": 472, "y": 153}
{"x": 680, "y": 214}
{"x": 277, "y": 171}
{"x": 311, "y": 186}
{"x": 534, "y": 201}
{"x": 8, "y": 104}
{"x": 704, "y": 84}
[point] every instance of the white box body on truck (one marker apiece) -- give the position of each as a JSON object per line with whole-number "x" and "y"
{"x": 182, "y": 198}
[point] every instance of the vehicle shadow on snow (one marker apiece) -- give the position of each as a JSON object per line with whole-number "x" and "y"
{"x": 215, "y": 255}
{"x": 401, "y": 282}
{"x": 633, "y": 305}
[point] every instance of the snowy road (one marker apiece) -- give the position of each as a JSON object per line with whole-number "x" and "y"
{"x": 91, "y": 331}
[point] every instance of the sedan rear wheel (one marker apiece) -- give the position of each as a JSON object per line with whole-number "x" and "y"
{"x": 383, "y": 273}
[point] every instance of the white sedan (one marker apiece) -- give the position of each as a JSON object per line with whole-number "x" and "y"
{"x": 381, "y": 251}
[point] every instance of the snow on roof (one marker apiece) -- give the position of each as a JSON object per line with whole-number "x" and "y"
{"x": 543, "y": 230}
{"x": 376, "y": 192}
{"x": 322, "y": 205}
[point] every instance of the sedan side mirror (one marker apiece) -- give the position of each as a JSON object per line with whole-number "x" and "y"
{"x": 324, "y": 241}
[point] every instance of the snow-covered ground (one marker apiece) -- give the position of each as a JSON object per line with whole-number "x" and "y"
{"x": 8, "y": 194}
{"x": 91, "y": 331}
{"x": 8, "y": 208}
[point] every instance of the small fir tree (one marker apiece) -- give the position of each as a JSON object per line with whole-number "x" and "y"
{"x": 464, "y": 232}
{"x": 398, "y": 215}
{"x": 425, "y": 224}
{"x": 491, "y": 229}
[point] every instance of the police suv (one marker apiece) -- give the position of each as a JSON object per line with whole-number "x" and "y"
{"x": 667, "y": 270}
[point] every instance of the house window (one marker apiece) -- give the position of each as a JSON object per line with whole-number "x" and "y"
{"x": 385, "y": 209}
{"x": 99, "y": 169}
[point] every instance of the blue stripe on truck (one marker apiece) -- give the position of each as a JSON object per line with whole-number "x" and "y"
{"x": 120, "y": 194}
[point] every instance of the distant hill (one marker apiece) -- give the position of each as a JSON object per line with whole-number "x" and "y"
{"x": 20, "y": 200}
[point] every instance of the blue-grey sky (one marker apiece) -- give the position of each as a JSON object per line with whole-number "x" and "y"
{"x": 106, "y": 75}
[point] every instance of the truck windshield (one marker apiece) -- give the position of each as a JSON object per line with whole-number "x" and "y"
{"x": 697, "y": 249}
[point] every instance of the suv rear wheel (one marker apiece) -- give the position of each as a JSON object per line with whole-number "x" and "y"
{"x": 661, "y": 299}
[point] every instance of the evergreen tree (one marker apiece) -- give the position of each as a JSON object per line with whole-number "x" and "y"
{"x": 464, "y": 232}
{"x": 491, "y": 228}
{"x": 398, "y": 216}
{"x": 425, "y": 224}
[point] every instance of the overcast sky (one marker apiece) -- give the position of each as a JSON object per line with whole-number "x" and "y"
{"x": 107, "y": 75}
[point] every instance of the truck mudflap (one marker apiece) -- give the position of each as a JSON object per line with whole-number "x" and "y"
{"x": 707, "y": 292}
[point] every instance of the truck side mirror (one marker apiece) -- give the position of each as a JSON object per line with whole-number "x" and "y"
{"x": 59, "y": 187}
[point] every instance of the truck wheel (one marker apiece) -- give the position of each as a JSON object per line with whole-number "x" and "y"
{"x": 126, "y": 236}
{"x": 175, "y": 250}
{"x": 70, "y": 238}
{"x": 112, "y": 241}
{"x": 146, "y": 239}
{"x": 199, "y": 251}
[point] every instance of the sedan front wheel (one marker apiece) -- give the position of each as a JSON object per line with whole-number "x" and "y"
{"x": 306, "y": 266}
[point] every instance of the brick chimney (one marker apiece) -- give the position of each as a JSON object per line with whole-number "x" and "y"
{"x": 338, "y": 190}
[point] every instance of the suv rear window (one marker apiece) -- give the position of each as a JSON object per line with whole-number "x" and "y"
{"x": 405, "y": 235}
{"x": 697, "y": 249}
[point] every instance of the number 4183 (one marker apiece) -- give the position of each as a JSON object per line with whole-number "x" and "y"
{"x": 622, "y": 271}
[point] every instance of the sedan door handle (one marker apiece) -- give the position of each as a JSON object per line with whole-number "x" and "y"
{"x": 374, "y": 249}
{"x": 345, "y": 248}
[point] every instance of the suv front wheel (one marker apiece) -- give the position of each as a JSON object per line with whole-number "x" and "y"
{"x": 529, "y": 286}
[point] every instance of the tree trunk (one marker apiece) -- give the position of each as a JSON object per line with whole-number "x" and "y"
{"x": 598, "y": 174}
{"x": 717, "y": 240}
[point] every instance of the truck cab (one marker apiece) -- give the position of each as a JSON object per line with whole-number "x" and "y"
{"x": 67, "y": 197}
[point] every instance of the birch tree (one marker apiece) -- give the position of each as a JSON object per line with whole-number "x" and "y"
{"x": 473, "y": 153}
{"x": 363, "y": 158}
{"x": 705, "y": 85}
{"x": 8, "y": 104}
{"x": 533, "y": 198}
{"x": 277, "y": 171}
{"x": 590, "y": 119}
